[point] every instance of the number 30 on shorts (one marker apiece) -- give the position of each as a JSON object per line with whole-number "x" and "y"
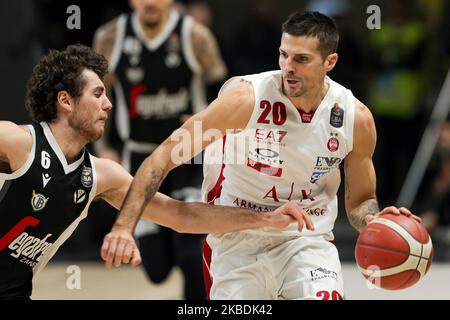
{"x": 325, "y": 295}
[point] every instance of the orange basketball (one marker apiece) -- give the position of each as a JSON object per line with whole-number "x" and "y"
{"x": 394, "y": 251}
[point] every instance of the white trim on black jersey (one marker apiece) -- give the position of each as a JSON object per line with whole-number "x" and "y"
{"x": 188, "y": 50}
{"x": 50, "y": 252}
{"x": 22, "y": 170}
{"x": 197, "y": 87}
{"x": 118, "y": 43}
{"x": 198, "y": 94}
{"x": 68, "y": 168}
{"x": 154, "y": 44}
{"x": 121, "y": 115}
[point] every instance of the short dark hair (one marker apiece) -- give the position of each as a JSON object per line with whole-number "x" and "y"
{"x": 60, "y": 70}
{"x": 314, "y": 24}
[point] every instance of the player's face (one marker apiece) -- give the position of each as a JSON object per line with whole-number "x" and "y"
{"x": 90, "y": 111}
{"x": 302, "y": 66}
{"x": 151, "y": 12}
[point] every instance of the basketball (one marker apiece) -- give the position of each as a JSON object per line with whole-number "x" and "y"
{"x": 394, "y": 251}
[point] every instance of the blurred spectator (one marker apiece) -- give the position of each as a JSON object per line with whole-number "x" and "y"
{"x": 436, "y": 195}
{"x": 396, "y": 91}
{"x": 55, "y": 34}
{"x": 350, "y": 70}
{"x": 19, "y": 52}
{"x": 160, "y": 60}
{"x": 256, "y": 47}
{"x": 200, "y": 11}
{"x": 442, "y": 42}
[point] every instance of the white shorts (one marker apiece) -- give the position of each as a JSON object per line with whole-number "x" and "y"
{"x": 246, "y": 266}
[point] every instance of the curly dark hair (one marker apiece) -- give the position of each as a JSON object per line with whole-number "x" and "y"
{"x": 60, "y": 70}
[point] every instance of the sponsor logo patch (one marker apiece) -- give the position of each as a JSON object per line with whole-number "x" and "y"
{"x": 316, "y": 175}
{"x": 271, "y": 137}
{"x": 322, "y": 273}
{"x": 86, "y": 177}
{"x": 337, "y": 116}
{"x": 265, "y": 169}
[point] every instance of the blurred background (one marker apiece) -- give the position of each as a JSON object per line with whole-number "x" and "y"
{"x": 398, "y": 71}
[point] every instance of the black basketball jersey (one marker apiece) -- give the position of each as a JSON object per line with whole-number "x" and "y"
{"x": 40, "y": 206}
{"x": 157, "y": 80}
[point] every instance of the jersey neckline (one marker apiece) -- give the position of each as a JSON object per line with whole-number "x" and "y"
{"x": 154, "y": 44}
{"x": 315, "y": 112}
{"x": 68, "y": 168}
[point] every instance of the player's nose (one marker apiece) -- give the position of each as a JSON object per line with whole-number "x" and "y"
{"x": 289, "y": 66}
{"x": 107, "y": 105}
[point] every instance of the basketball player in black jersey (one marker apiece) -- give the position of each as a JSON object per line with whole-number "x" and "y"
{"x": 48, "y": 179}
{"x": 159, "y": 60}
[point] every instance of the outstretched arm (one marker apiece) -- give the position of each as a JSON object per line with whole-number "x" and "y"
{"x": 230, "y": 111}
{"x": 119, "y": 245}
{"x": 198, "y": 217}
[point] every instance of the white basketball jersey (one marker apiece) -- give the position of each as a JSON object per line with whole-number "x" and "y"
{"x": 283, "y": 155}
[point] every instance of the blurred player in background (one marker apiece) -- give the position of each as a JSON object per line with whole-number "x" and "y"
{"x": 159, "y": 62}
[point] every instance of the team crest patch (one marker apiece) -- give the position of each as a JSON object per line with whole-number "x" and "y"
{"x": 337, "y": 116}
{"x": 38, "y": 201}
{"x": 333, "y": 144}
{"x": 86, "y": 177}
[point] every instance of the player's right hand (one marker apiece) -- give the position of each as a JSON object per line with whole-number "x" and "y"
{"x": 394, "y": 210}
{"x": 289, "y": 213}
{"x": 120, "y": 247}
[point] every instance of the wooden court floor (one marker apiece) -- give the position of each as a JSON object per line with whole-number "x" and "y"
{"x": 57, "y": 282}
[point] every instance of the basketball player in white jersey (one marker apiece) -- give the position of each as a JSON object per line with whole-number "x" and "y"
{"x": 298, "y": 126}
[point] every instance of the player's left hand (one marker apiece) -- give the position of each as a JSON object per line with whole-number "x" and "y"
{"x": 393, "y": 210}
{"x": 120, "y": 247}
{"x": 288, "y": 213}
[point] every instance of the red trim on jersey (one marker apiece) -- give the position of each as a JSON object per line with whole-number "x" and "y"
{"x": 306, "y": 117}
{"x": 206, "y": 262}
{"x": 215, "y": 192}
{"x": 135, "y": 92}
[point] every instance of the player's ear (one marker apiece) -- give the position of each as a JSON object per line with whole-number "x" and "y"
{"x": 64, "y": 100}
{"x": 330, "y": 61}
